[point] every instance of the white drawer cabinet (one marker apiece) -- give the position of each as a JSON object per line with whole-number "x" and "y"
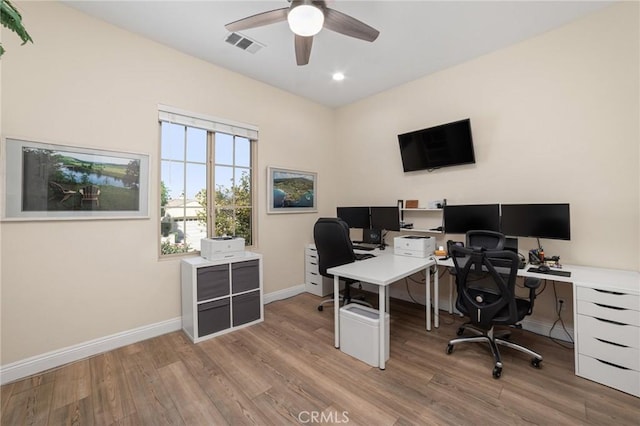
{"x": 219, "y": 296}
{"x": 315, "y": 283}
{"x": 608, "y": 337}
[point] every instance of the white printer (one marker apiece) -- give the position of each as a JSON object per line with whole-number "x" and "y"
{"x": 221, "y": 247}
{"x": 414, "y": 245}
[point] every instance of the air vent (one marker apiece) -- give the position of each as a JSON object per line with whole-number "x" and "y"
{"x": 244, "y": 42}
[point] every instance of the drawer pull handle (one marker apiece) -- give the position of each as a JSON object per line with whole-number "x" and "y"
{"x": 609, "y": 292}
{"x": 617, "y": 308}
{"x": 313, "y": 273}
{"x": 610, "y": 321}
{"x": 612, "y": 364}
{"x": 612, "y": 343}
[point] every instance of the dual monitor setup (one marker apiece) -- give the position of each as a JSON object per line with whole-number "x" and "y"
{"x": 373, "y": 220}
{"x": 550, "y": 221}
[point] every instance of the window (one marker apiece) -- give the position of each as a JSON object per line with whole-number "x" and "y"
{"x": 206, "y": 180}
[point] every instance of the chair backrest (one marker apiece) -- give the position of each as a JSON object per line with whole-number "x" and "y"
{"x": 488, "y": 240}
{"x": 486, "y": 281}
{"x": 90, "y": 192}
{"x": 331, "y": 236}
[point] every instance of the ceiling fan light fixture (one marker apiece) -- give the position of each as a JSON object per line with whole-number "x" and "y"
{"x": 305, "y": 20}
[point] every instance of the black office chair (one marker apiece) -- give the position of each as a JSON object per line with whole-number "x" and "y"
{"x": 479, "y": 238}
{"x": 331, "y": 236}
{"x": 486, "y": 294}
{"x": 488, "y": 240}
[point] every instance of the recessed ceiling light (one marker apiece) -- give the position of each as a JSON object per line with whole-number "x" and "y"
{"x": 338, "y": 76}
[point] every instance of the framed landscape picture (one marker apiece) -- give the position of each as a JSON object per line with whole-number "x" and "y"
{"x": 55, "y": 182}
{"x": 291, "y": 191}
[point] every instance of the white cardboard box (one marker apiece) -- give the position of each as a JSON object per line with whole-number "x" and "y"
{"x": 360, "y": 333}
{"x": 414, "y": 245}
{"x": 221, "y": 248}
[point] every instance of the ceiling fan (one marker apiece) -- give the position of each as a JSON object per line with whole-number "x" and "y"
{"x": 306, "y": 18}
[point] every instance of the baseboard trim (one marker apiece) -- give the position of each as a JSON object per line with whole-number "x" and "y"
{"x": 37, "y": 364}
{"x": 283, "y": 294}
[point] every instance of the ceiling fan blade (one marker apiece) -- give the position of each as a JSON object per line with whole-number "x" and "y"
{"x": 345, "y": 24}
{"x": 303, "y": 49}
{"x": 258, "y": 20}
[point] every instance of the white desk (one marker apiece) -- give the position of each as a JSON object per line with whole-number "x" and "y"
{"x": 606, "y": 320}
{"x": 382, "y": 270}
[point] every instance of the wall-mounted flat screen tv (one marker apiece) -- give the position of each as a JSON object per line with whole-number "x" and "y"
{"x": 448, "y": 144}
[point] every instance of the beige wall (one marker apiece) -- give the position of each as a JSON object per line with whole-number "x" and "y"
{"x": 554, "y": 119}
{"x": 85, "y": 83}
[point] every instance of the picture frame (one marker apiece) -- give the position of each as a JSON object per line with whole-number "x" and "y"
{"x": 291, "y": 191}
{"x": 46, "y": 181}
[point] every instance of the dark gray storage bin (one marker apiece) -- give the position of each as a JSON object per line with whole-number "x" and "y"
{"x": 213, "y": 281}
{"x": 245, "y": 276}
{"x": 213, "y": 317}
{"x": 246, "y": 308}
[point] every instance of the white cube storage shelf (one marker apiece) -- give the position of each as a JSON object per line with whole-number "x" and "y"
{"x": 219, "y": 296}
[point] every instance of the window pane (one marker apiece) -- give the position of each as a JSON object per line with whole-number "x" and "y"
{"x": 243, "y": 224}
{"x": 225, "y": 224}
{"x": 196, "y": 179}
{"x": 224, "y": 185}
{"x": 243, "y": 152}
{"x": 224, "y": 149}
{"x": 196, "y": 145}
{"x": 195, "y": 230}
{"x": 243, "y": 187}
{"x": 172, "y": 138}
{"x": 172, "y": 176}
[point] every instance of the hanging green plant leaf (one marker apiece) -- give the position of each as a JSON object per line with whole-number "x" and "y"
{"x": 11, "y": 19}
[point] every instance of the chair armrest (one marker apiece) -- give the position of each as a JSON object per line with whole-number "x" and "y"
{"x": 532, "y": 283}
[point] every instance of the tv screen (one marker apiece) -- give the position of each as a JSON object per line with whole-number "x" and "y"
{"x": 445, "y": 145}
{"x": 536, "y": 220}
{"x": 356, "y": 217}
{"x": 463, "y": 218}
{"x": 387, "y": 218}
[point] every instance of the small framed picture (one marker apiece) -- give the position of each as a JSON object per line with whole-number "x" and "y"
{"x": 291, "y": 191}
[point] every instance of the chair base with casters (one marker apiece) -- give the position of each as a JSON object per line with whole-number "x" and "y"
{"x": 494, "y": 339}
{"x": 345, "y": 298}
{"x": 485, "y": 280}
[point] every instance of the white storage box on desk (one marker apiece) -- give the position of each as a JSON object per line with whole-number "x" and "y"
{"x": 360, "y": 333}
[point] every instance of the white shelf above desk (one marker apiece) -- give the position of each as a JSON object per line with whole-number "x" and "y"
{"x": 432, "y": 218}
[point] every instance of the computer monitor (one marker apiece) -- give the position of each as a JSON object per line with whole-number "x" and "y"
{"x": 356, "y": 217}
{"x": 536, "y": 220}
{"x": 387, "y": 218}
{"x": 462, "y": 218}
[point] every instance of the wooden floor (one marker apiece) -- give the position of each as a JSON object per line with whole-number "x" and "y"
{"x": 286, "y": 371}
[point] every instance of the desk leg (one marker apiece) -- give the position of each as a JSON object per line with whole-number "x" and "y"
{"x": 436, "y": 301}
{"x": 428, "y": 303}
{"x": 382, "y": 349}
{"x": 451, "y": 284}
{"x": 336, "y": 309}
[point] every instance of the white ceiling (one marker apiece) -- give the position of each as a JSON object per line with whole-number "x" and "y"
{"x": 417, "y": 38}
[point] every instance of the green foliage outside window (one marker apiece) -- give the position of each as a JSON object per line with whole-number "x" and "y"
{"x": 232, "y": 209}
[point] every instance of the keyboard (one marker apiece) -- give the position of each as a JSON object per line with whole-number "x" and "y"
{"x": 363, "y": 256}
{"x": 365, "y": 248}
{"x": 550, "y": 272}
